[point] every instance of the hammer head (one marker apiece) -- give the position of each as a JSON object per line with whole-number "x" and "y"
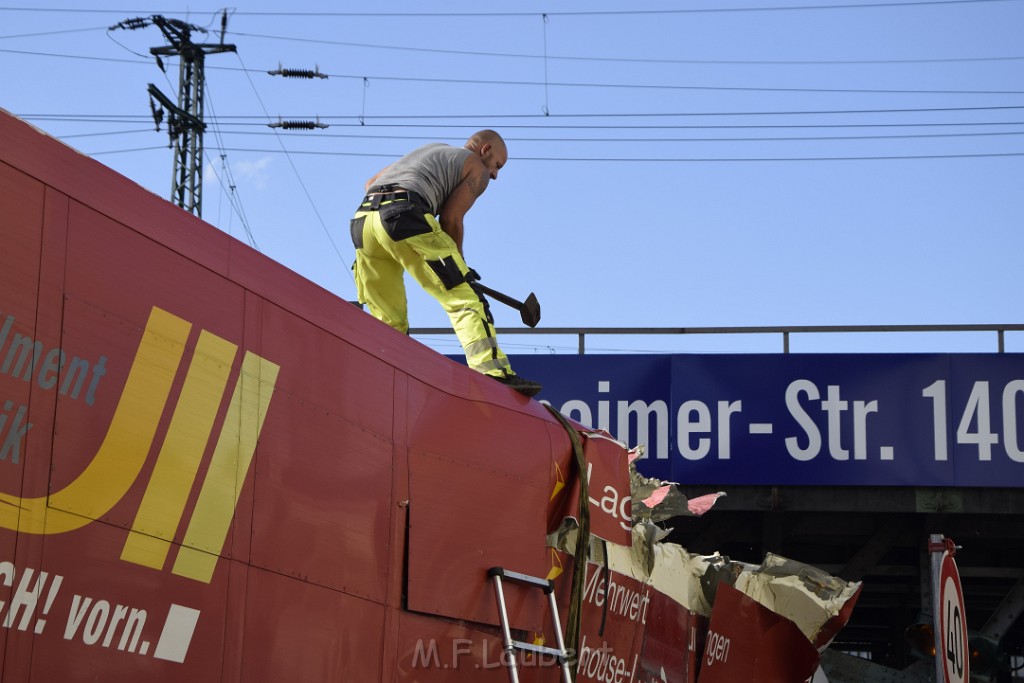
{"x": 530, "y": 311}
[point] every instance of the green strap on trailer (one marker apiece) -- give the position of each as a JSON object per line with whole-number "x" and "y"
{"x": 579, "y": 572}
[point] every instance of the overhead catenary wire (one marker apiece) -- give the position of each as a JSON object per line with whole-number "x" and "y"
{"x": 628, "y": 60}
{"x": 220, "y": 130}
{"x": 546, "y": 56}
{"x": 565, "y": 84}
{"x": 223, "y": 124}
{"x": 295, "y": 170}
{"x": 653, "y": 137}
{"x": 365, "y": 121}
{"x": 544, "y": 25}
{"x": 622, "y": 115}
{"x": 234, "y": 199}
{"x": 552, "y": 57}
{"x": 579, "y": 13}
{"x": 417, "y": 119}
{"x": 605, "y": 140}
{"x": 40, "y": 34}
{"x": 70, "y": 136}
{"x": 632, "y": 12}
{"x": 109, "y": 118}
{"x": 631, "y": 140}
{"x": 126, "y": 151}
{"x": 229, "y": 188}
{"x": 873, "y": 157}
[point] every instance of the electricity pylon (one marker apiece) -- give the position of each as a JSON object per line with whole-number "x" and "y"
{"x": 185, "y": 123}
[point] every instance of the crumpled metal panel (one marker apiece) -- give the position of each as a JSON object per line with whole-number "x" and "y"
{"x": 818, "y": 603}
{"x": 671, "y": 646}
{"x": 748, "y": 642}
{"x": 608, "y": 489}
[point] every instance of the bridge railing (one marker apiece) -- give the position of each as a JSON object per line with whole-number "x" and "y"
{"x": 784, "y": 332}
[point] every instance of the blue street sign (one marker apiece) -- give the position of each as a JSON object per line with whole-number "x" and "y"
{"x": 802, "y": 419}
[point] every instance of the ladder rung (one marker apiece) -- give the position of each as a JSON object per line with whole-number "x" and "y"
{"x": 540, "y": 649}
{"x": 547, "y": 585}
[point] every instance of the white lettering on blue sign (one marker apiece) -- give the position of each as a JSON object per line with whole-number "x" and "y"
{"x": 906, "y": 419}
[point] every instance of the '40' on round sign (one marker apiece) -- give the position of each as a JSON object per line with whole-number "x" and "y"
{"x": 953, "y": 648}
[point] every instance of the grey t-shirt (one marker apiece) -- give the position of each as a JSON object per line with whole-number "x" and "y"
{"x": 431, "y": 171}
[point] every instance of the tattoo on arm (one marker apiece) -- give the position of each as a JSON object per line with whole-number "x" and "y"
{"x": 477, "y": 183}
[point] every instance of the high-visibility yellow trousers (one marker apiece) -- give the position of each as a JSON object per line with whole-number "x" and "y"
{"x": 401, "y": 237}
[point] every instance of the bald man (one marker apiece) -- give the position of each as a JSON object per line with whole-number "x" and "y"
{"x": 412, "y": 220}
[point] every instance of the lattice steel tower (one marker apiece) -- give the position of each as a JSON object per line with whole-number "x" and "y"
{"x": 185, "y": 123}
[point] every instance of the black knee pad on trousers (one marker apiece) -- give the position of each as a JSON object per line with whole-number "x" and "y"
{"x": 447, "y": 271}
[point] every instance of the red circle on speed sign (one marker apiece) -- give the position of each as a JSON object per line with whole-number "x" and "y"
{"x": 952, "y": 624}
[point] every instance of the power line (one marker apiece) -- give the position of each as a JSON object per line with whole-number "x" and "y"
{"x": 648, "y": 115}
{"x": 662, "y": 86}
{"x": 902, "y": 157}
{"x": 226, "y": 121}
{"x": 611, "y": 160}
{"x": 125, "y": 151}
{"x": 579, "y": 13}
{"x": 88, "y": 118}
{"x": 381, "y": 118}
{"x": 656, "y": 86}
{"x": 565, "y": 84}
{"x": 54, "y": 33}
{"x": 632, "y": 140}
{"x": 514, "y": 55}
{"x": 234, "y": 199}
{"x": 112, "y": 132}
{"x": 65, "y": 56}
{"x": 604, "y": 140}
{"x": 295, "y": 170}
{"x": 363, "y": 135}
{"x": 545, "y": 57}
{"x": 599, "y": 85}
{"x": 641, "y": 115}
{"x": 379, "y": 121}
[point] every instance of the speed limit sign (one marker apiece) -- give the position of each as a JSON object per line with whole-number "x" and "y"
{"x": 951, "y": 645}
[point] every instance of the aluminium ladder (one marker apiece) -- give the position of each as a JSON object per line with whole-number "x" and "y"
{"x": 509, "y": 646}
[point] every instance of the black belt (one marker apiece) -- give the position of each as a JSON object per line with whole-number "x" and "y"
{"x": 375, "y": 199}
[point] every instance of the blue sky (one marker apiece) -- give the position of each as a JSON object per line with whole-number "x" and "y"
{"x": 672, "y": 164}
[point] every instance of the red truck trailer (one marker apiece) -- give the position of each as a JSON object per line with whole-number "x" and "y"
{"x": 213, "y": 470}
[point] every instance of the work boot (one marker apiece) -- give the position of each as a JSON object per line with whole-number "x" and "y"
{"x": 520, "y": 384}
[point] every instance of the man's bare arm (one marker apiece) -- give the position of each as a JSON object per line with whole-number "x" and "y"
{"x": 474, "y": 181}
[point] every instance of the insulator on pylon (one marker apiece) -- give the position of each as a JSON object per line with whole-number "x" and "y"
{"x": 131, "y": 24}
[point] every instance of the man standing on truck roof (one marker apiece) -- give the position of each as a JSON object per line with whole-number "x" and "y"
{"x": 397, "y": 228}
